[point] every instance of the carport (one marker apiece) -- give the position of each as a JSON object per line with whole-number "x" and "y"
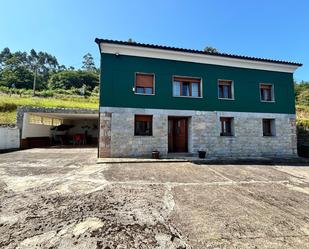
{"x": 43, "y": 127}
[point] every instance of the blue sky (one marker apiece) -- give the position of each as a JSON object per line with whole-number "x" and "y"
{"x": 67, "y": 28}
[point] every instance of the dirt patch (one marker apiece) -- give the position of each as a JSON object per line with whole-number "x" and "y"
{"x": 117, "y": 216}
{"x": 33, "y": 171}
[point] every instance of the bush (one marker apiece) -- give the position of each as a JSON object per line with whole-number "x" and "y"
{"x": 7, "y": 107}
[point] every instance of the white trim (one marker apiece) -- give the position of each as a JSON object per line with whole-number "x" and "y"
{"x": 193, "y": 57}
{"x": 188, "y": 113}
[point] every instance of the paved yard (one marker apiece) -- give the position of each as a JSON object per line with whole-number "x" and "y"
{"x": 60, "y": 198}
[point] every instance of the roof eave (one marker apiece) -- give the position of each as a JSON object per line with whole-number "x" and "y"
{"x": 191, "y": 51}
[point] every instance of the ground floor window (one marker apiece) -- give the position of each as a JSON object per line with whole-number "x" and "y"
{"x": 143, "y": 125}
{"x": 226, "y": 126}
{"x": 268, "y": 127}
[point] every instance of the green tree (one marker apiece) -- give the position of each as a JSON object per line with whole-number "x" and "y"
{"x": 69, "y": 78}
{"x": 210, "y": 49}
{"x": 130, "y": 40}
{"x": 302, "y": 93}
{"x": 41, "y": 63}
{"x": 88, "y": 63}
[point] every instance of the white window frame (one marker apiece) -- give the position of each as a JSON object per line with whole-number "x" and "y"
{"x": 272, "y": 93}
{"x": 232, "y": 89}
{"x": 189, "y": 77}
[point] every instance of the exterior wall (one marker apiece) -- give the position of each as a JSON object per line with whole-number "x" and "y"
{"x": 204, "y": 133}
{"x": 34, "y": 130}
{"x": 9, "y": 137}
{"x": 117, "y": 81}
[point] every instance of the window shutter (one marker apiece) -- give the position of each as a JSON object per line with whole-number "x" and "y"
{"x": 185, "y": 79}
{"x": 144, "y": 118}
{"x": 144, "y": 80}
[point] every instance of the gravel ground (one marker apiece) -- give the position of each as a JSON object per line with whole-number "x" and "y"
{"x": 60, "y": 198}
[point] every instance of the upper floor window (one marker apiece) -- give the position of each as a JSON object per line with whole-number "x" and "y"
{"x": 143, "y": 125}
{"x": 186, "y": 87}
{"x": 144, "y": 83}
{"x": 225, "y": 89}
{"x": 268, "y": 127}
{"x": 227, "y": 126}
{"x": 267, "y": 92}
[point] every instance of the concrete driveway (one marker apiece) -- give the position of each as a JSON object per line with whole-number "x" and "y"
{"x": 60, "y": 198}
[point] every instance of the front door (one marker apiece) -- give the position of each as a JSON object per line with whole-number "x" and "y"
{"x": 178, "y": 134}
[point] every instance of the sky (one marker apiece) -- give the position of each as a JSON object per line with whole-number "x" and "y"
{"x": 275, "y": 29}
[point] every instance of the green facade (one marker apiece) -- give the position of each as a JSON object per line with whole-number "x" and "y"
{"x": 118, "y": 74}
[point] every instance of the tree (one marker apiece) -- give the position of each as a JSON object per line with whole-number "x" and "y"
{"x": 88, "y": 63}
{"x": 130, "y": 40}
{"x": 4, "y": 56}
{"x": 41, "y": 63}
{"x": 210, "y": 49}
{"x": 302, "y": 93}
{"x": 69, "y": 78}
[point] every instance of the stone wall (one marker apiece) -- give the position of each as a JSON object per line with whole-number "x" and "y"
{"x": 204, "y": 133}
{"x": 105, "y": 134}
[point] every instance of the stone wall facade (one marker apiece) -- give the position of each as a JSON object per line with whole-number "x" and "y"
{"x": 105, "y": 135}
{"x": 203, "y": 133}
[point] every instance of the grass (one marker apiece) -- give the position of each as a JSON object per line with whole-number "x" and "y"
{"x": 9, "y": 104}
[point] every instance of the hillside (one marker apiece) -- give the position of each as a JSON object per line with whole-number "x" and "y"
{"x": 9, "y": 104}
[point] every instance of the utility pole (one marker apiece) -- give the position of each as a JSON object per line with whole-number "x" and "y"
{"x": 34, "y": 80}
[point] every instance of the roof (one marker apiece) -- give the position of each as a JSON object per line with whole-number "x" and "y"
{"x": 135, "y": 44}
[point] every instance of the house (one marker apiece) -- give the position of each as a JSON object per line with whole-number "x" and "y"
{"x": 178, "y": 100}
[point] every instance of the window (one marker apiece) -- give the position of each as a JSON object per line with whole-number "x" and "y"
{"x": 268, "y": 127}
{"x": 226, "y": 126}
{"x": 186, "y": 87}
{"x": 35, "y": 119}
{"x": 143, "y": 125}
{"x": 267, "y": 92}
{"x": 225, "y": 89}
{"x": 144, "y": 83}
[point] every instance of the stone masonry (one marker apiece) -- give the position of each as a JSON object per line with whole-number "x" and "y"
{"x": 204, "y": 133}
{"x": 105, "y": 135}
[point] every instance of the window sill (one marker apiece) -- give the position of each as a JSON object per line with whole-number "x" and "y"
{"x": 269, "y": 136}
{"x": 144, "y": 94}
{"x": 143, "y": 135}
{"x": 226, "y": 98}
{"x": 227, "y": 135}
{"x": 268, "y": 101}
{"x": 190, "y": 97}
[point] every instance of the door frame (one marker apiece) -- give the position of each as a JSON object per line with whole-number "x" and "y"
{"x": 174, "y": 119}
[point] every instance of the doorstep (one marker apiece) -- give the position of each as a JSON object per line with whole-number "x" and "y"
{"x": 140, "y": 160}
{"x": 212, "y": 160}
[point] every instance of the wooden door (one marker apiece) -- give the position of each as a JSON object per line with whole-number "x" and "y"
{"x": 178, "y": 134}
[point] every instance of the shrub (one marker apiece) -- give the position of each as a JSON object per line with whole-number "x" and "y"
{"x": 7, "y": 107}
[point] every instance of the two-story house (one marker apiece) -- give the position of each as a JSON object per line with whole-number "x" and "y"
{"x": 181, "y": 100}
